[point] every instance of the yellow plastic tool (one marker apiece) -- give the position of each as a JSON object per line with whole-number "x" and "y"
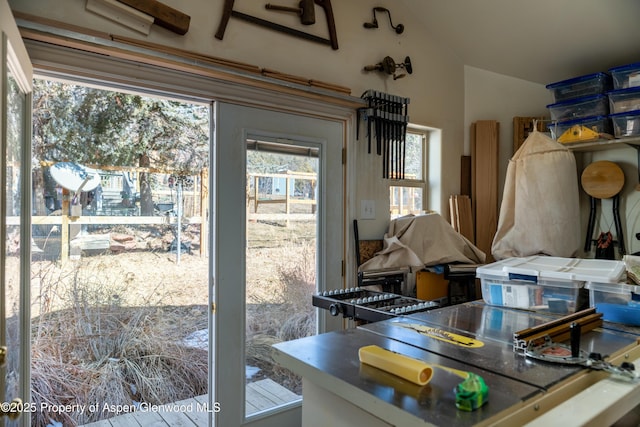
{"x": 578, "y": 133}
{"x": 471, "y": 393}
{"x": 403, "y": 366}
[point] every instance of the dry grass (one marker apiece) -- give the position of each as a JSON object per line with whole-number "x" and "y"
{"x": 115, "y": 355}
{"x": 110, "y": 328}
{"x": 282, "y": 310}
{"x": 101, "y": 337}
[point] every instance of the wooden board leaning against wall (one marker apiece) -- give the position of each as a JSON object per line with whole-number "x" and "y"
{"x": 484, "y": 176}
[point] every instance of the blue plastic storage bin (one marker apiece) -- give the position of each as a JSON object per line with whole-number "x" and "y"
{"x": 588, "y": 106}
{"x": 626, "y": 76}
{"x": 578, "y": 87}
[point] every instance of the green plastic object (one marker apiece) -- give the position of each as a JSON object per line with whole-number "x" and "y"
{"x": 471, "y": 393}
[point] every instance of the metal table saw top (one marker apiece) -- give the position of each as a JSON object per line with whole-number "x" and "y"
{"x": 331, "y": 360}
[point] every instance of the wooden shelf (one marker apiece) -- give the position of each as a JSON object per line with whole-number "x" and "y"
{"x": 604, "y": 144}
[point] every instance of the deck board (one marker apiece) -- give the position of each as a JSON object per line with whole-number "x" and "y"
{"x": 260, "y": 395}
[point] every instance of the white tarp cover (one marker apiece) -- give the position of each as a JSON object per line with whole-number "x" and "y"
{"x": 423, "y": 240}
{"x": 540, "y": 211}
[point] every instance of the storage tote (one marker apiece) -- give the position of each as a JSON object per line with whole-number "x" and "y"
{"x": 542, "y": 283}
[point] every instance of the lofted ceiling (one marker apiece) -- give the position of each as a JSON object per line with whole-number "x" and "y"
{"x": 542, "y": 41}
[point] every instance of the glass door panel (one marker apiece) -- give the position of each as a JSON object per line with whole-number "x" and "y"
{"x": 282, "y": 228}
{"x": 13, "y": 228}
{"x": 121, "y": 259}
{"x": 15, "y": 88}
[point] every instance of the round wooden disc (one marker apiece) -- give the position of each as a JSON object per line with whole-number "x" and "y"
{"x": 602, "y": 179}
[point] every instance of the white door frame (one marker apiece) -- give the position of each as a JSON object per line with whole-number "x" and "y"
{"x": 234, "y": 123}
{"x": 15, "y": 61}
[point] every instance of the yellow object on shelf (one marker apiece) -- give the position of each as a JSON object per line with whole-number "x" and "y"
{"x": 578, "y": 133}
{"x": 403, "y": 366}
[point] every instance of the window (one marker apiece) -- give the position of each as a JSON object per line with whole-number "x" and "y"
{"x": 408, "y": 195}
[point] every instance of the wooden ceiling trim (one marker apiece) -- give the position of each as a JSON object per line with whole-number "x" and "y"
{"x": 148, "y": 53}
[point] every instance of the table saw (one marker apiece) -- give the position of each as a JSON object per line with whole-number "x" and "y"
{"x": 474, "y": 337}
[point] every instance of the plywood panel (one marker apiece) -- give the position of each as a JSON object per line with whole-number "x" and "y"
{"x": 465, "y": 217}
{"x": 461, "y": 215}
{"x": 485, "y": 182}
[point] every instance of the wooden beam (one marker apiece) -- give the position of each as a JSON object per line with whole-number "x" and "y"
{"x": 121, "y": 14}
{"x": 64, "y": 227}
{"x": 164, "y": 16}
{"x": 103, "y": 220}
{"x": 485, "y": 183}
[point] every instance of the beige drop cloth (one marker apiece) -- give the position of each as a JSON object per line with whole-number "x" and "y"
{"x": 423, "y": 240}
{"x": 540, "y": 211}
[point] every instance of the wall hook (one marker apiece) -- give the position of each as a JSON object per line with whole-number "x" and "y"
{"x": 389, "y": 66}
{"x": 374, "y": 24}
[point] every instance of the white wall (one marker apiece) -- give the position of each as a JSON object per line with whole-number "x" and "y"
{"x": 491, "y": 96}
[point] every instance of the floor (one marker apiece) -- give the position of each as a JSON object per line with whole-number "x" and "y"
{"x": 260, "y": 395}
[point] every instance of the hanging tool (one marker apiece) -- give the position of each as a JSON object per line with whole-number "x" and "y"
{"x": 389, "y": 66}
{"x": 332, "y": 41}
{"x": 399, "y": 29}
{"x": 306, "y": 11}
{"x": 388, "y": 115}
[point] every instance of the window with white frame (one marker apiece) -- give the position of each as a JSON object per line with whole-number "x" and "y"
{"x": 408, "y": 195}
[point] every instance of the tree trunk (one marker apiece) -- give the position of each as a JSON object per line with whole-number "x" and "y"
{"x": 146, "y": 196}
{"x": 39, "y": 202}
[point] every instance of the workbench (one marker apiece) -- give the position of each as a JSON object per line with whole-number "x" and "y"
{"x": 340, "y": 391}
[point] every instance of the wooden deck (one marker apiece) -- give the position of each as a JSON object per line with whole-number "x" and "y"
{"x": 260, "y": 395}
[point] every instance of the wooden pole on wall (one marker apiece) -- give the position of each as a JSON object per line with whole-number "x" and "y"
{"x": 64, "y": 227}
{"x": 485, "y": 146}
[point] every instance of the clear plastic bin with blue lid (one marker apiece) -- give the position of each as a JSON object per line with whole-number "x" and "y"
{"x": 577, "y": 87}
{"x": 626, "y": 124}
{"x": 625, "y": 75}
{"x": 587, "y": 106}
{"x": 623, "y": 100}
{"x": 544, "y": 283}
{"x": 618, "y": 302}
{"x": 600, "y": 125}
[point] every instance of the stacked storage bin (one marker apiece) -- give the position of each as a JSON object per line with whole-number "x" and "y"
{"x": 580, "y": 101}
{"x": 544, "y": 283}
{"x": 624, "y": 100}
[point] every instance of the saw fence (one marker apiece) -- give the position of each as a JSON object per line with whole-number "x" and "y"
{"x": 386, "y": 118}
